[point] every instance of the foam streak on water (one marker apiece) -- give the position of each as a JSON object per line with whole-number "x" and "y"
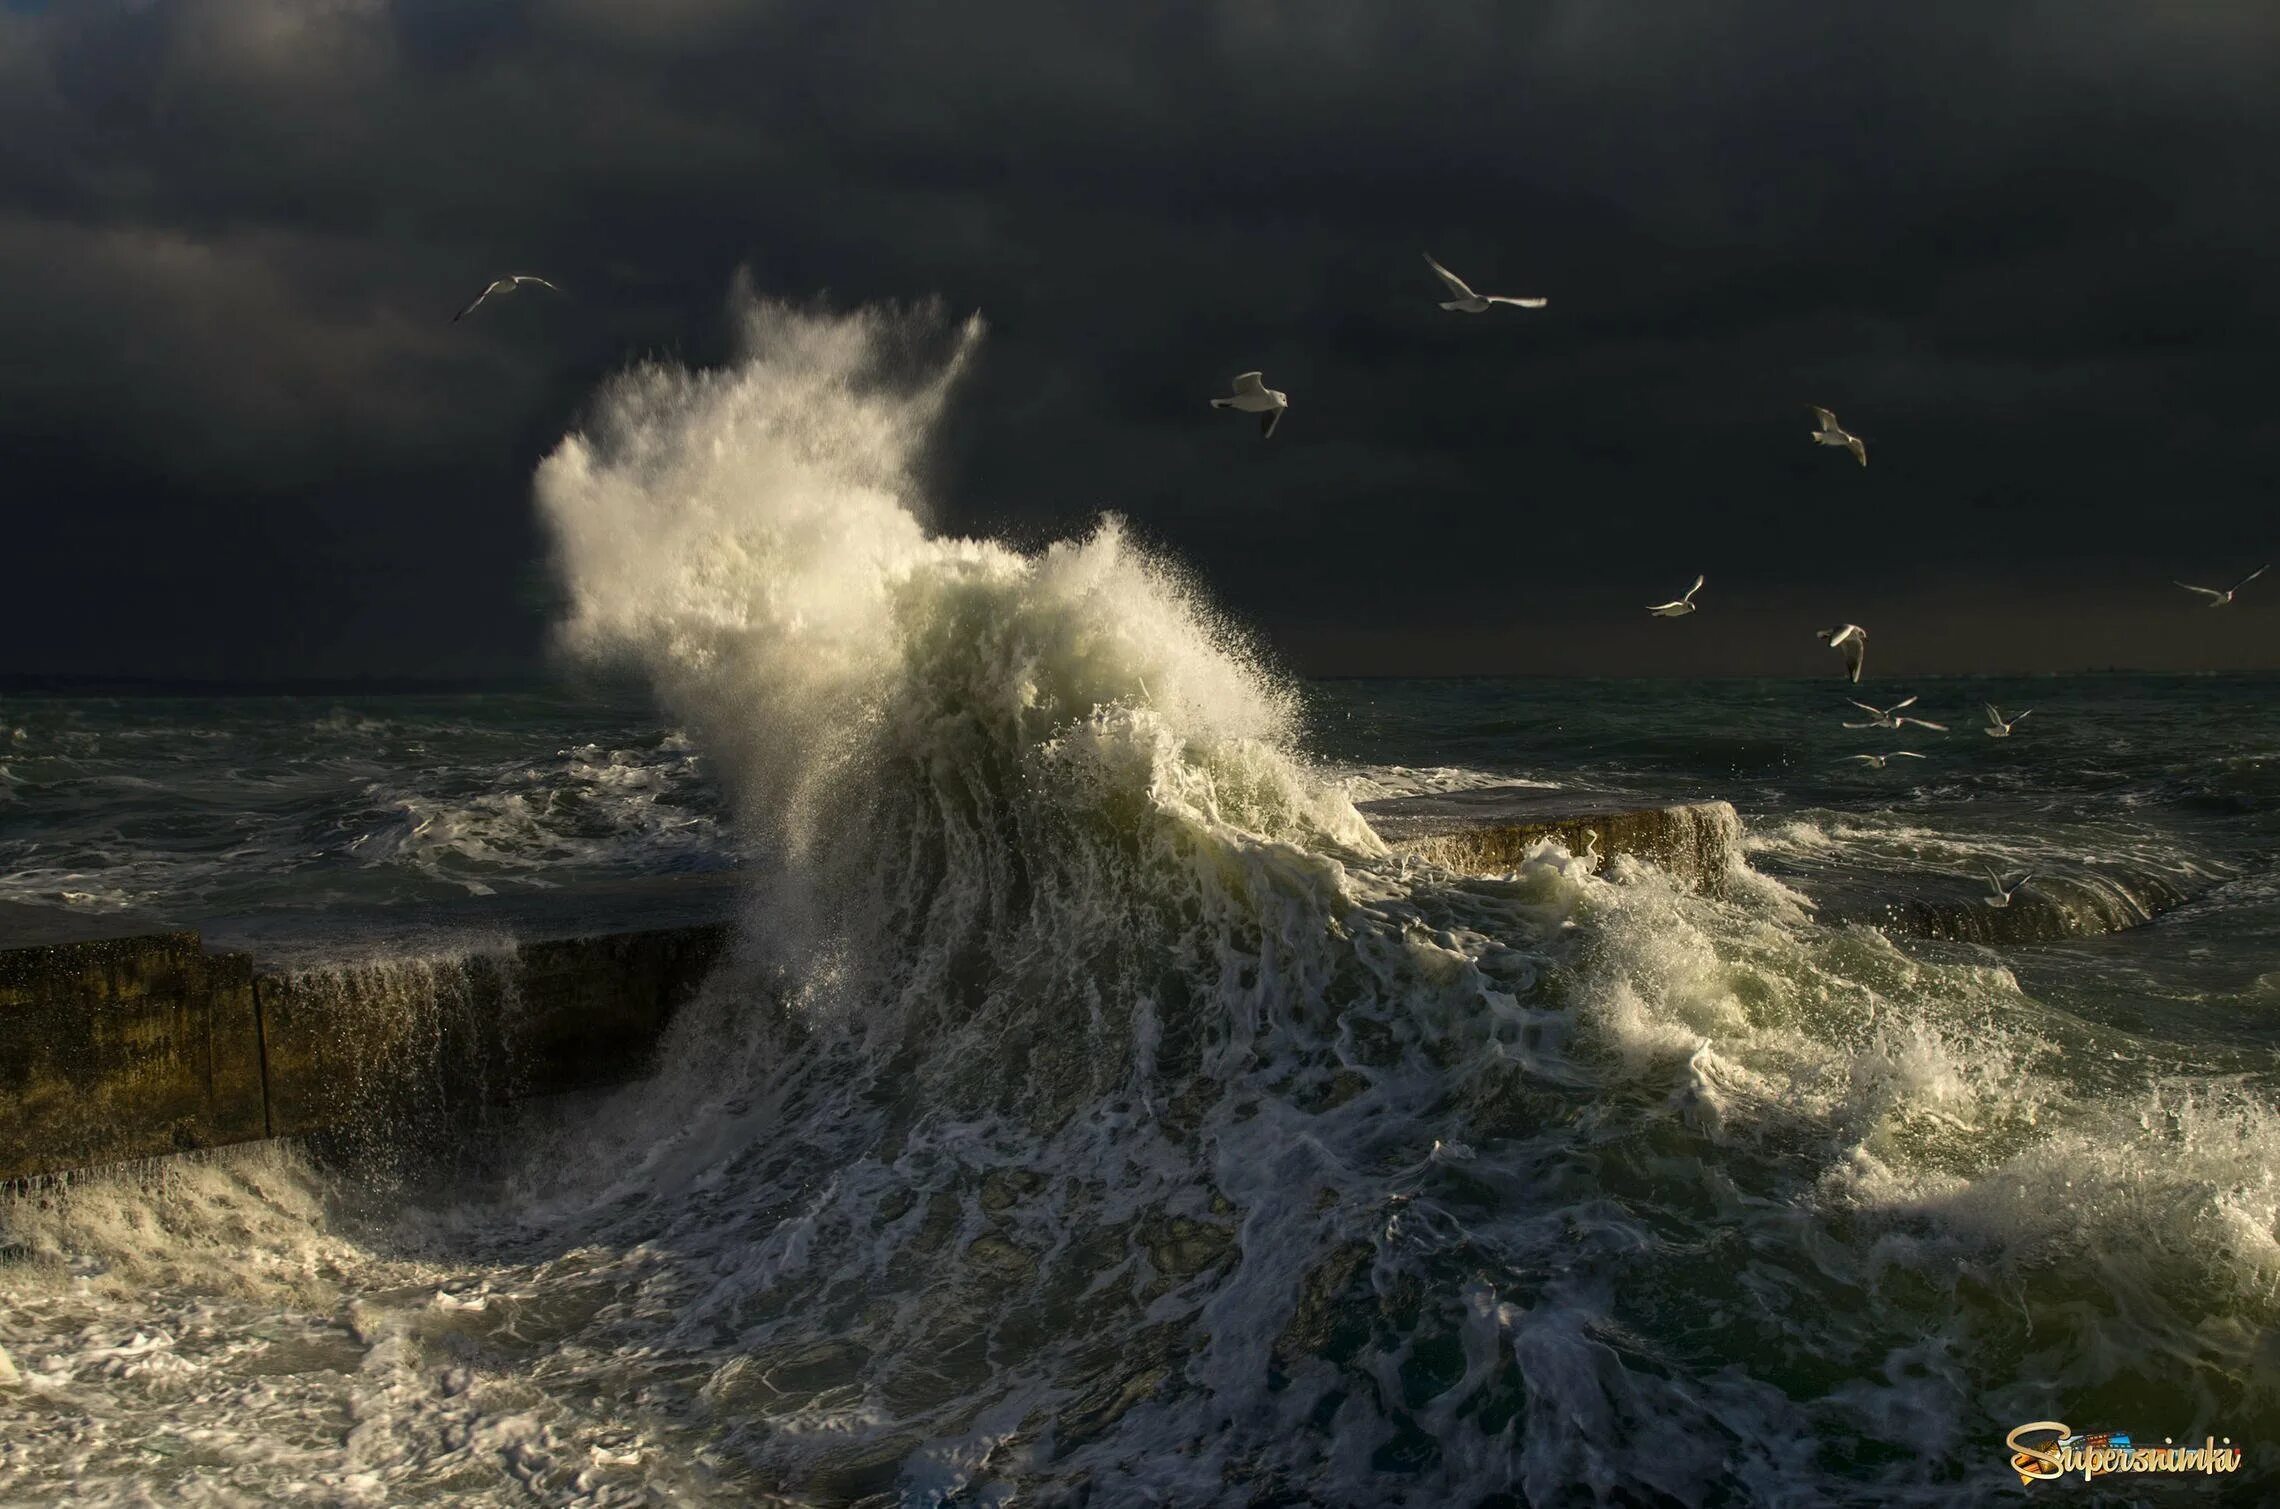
{"x": 1096, "y": 1112}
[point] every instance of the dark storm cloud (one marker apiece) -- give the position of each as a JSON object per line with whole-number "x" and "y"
{"x": 2020, "y": 248}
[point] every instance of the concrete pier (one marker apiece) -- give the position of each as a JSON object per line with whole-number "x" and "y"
{"x": 128, "y": 1048}
{"x": 1492, "y": 830}
{"x": 124, "y": 1048}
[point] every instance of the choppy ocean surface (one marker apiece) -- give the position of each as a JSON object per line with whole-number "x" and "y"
{"x": 1099, "y": 1113}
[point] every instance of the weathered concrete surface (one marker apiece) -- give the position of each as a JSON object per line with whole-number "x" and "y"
{"x": 125, "y": 1048}
{"x": 130, "y": 1048}
{"x": 1492, "y": 830}
{"x": 364, "y": 1045}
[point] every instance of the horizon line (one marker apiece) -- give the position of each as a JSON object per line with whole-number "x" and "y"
{"x": 58, "y": 684}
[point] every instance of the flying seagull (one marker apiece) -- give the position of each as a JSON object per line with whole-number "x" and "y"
{"x": 1853, "y": 640}
{"x": 1889, "y": 717}
{"x": 1468, "y": 302}
{"x": 1998, "y": 726}
{"x": 503, "y": 285}
{"x": 1253, "y": 396}
{"x": 1833, "y": 433}
{"x": 2219, "y": 599}
{"x": 2000, "y": 894}
{"x": 1680, "y": 608}
{"x": 1877, "y": 762}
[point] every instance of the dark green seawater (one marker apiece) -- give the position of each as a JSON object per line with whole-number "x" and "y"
{"x": 1112, "y": 1123}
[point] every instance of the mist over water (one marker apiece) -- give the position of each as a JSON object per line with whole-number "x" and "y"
{"x": 1095, "y": 1111}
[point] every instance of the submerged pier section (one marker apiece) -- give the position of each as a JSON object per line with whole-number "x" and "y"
{"x": 1492, "y": 830}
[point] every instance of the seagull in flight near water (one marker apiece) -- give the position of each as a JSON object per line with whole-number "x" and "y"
{"x": 1680, "y": 608}
{"x": 1253, "y": 396}
{"x": 1998, "y": 726}
{"x": 1468, "y": 302}
{"x": 1833, "y": 433}
{"x": 507, "y": 284}
{"x": 1853, "y": 640}
{"x": 1877, "y": 762}
{"x": 2219, "y": 599}
{"x": 2000, "y": 894}
{"x": 1889, "y": 717}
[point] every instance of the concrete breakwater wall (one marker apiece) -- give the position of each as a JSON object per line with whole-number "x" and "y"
{"x": 128, "y": 1048}
{"x": 1492, "y": 830}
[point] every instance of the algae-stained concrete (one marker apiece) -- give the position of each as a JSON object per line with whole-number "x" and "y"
{"x": 124, "y": 1048}
{"x": 128, "y": 1048}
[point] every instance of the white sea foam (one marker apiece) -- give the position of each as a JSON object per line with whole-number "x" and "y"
{"x": 1096, "y": 1108}
{"x": 1369, "y": 783}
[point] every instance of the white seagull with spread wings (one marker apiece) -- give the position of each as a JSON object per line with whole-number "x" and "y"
{"x": 1998, "y": 726}
{"x": 1833, "y": 433}
{"x": 1877, "y": 762}
{"x": 1853, "y": 640}
{"x": 2219, "y": 599}
{"x": 1253, "y": 396}
{"x": 2000, "y": 894}
{"x": 1889, "y": 717}
{"x": 504, "y": 285}
{"x": 1682, "y": 606}
{"x": 1468, "y": 302}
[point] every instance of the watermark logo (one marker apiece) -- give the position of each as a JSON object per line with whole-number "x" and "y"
{"x": 2043, "y": 1449}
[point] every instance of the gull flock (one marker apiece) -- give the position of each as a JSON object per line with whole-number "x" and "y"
{"x": 1251, "y": 395}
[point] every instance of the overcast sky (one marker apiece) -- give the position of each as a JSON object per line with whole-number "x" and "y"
{"x": 2031, "y": 252}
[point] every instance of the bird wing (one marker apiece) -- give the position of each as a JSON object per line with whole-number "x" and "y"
{"x": 1846, "y": 635}
{"x": 530, "y": 277}
{"x": 1994, "y": 716}
{"x": 1864, "y": 707}
{"x": 1663, "y": 607}
{"x": 1697, "y": 587}
{"x": 1872, "y": 759}
{"x": 1518, "y": 303}
{"x": 1925, "y": 723}
{"x": 2252, "y": 576}
{"x": 1456, "y": 284}
{"x": 1250, "y": 382}
{"x": 2015, "y": 718}
{"x": 1856, "y": 655}
{"x": 488, "y": 289}
{"x": 2211, "y": 593}
{"x": 1994, "y": 879}
{"x": 1903, "y": 754}
{"x": 1903, "y": 702}
{"x": 1828, "y": 420}
{"x": 1860, "y": 451}
{"x": 1267, "y": 423}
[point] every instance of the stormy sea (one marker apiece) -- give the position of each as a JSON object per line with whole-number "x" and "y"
{"x": 1099, "y": 1106}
